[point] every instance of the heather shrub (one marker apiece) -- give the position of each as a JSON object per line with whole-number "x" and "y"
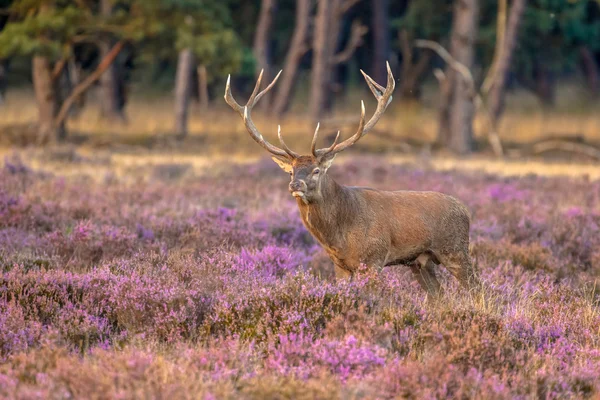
{"x": 170, "y": 280}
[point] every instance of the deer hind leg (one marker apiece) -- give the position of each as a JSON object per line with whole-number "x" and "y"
{"x": 424, "y": 271}
{"x": 459, "y": 264}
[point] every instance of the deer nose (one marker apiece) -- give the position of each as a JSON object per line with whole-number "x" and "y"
{"x": 297, "y": 186}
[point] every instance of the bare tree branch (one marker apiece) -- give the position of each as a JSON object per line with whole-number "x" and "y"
{"x": 358, "y": 31}
{"x": 347, "y": 5}
{"x": 58, "y": 68}
{"x": 87, "y": 82}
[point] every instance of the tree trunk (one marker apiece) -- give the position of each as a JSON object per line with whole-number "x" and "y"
{"x": 325, "y": 59}
{"x": 202, "y": 87}
{"x": 381, "y": 40}
{"x": 3, "y": 74}
{"x": 112, "y": 104}
{"x": 545, "y": 85}
{"x": 74, "y": 76}
{"x": 590, "y": 70}
{"x": 297, "y": 50}
{"x": 498, "y": 88}
{"x": 46, "y": 97}
{"x": 320, "y": 76}
{"x": 461, "y": 107}
{"x": 334, "y": 26}
{"x": 182, "y": 92}
{"x": 262, "y": 44}
{"x": 446, "y": 87}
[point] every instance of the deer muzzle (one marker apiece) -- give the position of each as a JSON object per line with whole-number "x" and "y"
{"x": 298, "y": 188}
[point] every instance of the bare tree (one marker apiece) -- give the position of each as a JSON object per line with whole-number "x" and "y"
{"x": 54, "y": 108}
{"x": 183, "y": 85}
{"x": 111, "y": 103}
{"x": 412, "y": 70}
{"x": 298, "y": 48}
{"x": 85, "y": 84}
{"x": 381, "y": 40}
{"x": 497, "y": 85}
{"x": 327, "y": 30}
{"x": 457, "y": 104}
{"x": 262, "y": 39}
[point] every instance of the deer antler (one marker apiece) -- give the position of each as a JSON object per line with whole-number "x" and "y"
{"x": 383, "y": 96}
{"x": 245, "y": 111}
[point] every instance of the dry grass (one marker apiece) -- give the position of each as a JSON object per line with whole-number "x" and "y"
{"x": 98, "y": 164}
{"x": 152, "y": 116}
{"x": 218, "y": 136}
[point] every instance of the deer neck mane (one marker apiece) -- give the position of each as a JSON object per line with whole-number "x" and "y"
{"x": 324, "y": 217}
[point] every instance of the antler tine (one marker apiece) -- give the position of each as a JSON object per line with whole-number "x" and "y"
{"x": 261, "y": 94}
{"x": 383, "y": 96}
{"x": 244, "y": 112}
{"x": 328, "y": 149}
{"x": 336, "y": 148}
{"x": 289, "y": 151}
{"x": 229, "y": 98}
{"x": 313, "y": 145}
{"x": 251, "y": 101}
{"x": 376, "y": 88}
{"x": 383, "y": 100}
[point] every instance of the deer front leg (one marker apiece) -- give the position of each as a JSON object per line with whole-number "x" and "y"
{"x": 341, "y": 272}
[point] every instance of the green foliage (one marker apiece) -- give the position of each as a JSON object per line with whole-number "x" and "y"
{"x": 44, "y": 31}
{"x": 553, "y": 31}
{"x": 426, "y": 19}
{"x": 53, "y": 28}
{"x": 207, "y": 31}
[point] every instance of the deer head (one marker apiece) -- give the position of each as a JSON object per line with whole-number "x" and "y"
{"x": 308, "y": 172}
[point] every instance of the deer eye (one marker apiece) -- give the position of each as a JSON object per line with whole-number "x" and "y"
{"x": 316, "y": 171}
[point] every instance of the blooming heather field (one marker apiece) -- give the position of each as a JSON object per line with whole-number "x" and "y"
{"x": 166, "y": 281}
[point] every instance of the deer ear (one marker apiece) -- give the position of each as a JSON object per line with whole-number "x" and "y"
{"x": 283, "y": 164}
{"x": 326, "y": 162}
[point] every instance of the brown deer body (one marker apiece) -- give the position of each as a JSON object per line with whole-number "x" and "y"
{"x": 358, "y": 225}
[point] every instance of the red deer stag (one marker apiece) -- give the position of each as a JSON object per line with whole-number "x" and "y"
{"x": 358, "y": 225}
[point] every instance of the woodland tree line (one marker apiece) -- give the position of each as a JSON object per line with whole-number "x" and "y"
{"x": 475, "y": 48}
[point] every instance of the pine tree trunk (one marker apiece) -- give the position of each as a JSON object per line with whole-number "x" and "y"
{"x": 446, "y": 89}
{"x": 182, "y": 92}
{"x": 461, "y": 107}
{"x": 498, "y": 88}
{"x": 297, "y": 50}
{"x": 3, "y": 82}
{"x": 590, "y": 70}
{"x": 202, "y": 87}
{"x": 545, "y": 85}
{"x": 112, "y": 105}
{"x": 381, "y": 40}
{"x": 75, "y": 78}
{"x": 320, "y": 78}
{"x": 46, "y": 97}
{"x": 261, "y": 46}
